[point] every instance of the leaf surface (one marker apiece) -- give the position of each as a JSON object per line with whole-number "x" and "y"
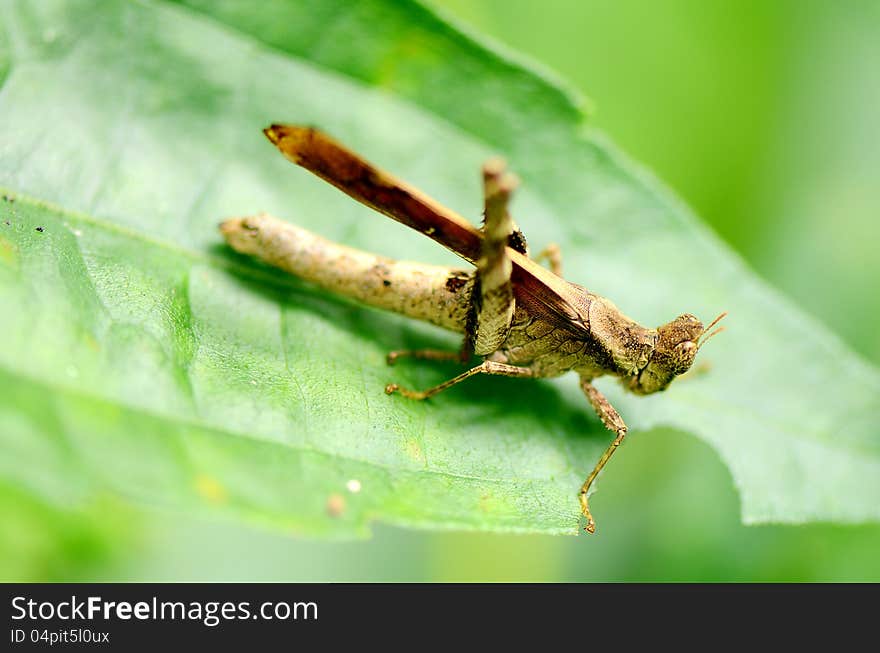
{"x": 140, "y": 356}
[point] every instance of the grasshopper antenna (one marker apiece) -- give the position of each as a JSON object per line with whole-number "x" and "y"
{"x": 703, "y": 339}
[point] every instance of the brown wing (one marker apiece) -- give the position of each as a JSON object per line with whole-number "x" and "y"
{"x": 535, "y": 286}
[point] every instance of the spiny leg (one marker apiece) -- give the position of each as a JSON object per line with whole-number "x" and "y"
{"x": 553, "y": 255}
{"x": 495, "y": 304}
{"x": 486, "y": 367}
{"x": 613, "y": 422}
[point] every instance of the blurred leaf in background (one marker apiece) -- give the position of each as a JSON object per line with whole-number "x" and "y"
{"x": 42, "y": 541}
{"x": 762, "y": 115}
{"x": 688, "y": 531}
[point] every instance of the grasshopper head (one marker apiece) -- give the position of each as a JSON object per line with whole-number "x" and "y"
{"x": 677, "y": 345}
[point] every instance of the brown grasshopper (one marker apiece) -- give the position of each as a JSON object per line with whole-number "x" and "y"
{"x": 522, "y": 319}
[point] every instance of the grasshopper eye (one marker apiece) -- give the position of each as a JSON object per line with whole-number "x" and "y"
{"x": 683, "y": 356}
{"x": 686, "y": 347}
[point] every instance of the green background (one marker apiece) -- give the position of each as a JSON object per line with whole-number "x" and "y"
{"x": 762, "y": 116}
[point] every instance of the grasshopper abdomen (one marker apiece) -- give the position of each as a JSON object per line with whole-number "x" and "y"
{"x": 433, "y": 293}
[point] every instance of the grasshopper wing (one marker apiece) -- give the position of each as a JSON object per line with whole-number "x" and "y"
{"x": 540, "y": 290}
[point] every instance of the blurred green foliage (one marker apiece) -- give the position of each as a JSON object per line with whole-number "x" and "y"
{"x": 762, "y": 116}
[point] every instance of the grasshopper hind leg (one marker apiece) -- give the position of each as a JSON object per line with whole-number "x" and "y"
{"x": 494, "y": 305}
{"x": 492, "y": 300}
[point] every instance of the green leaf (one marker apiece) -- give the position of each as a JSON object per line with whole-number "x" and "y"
{"x": 140, "y": 356}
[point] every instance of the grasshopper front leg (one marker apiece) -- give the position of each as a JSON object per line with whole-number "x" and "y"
{"x": 614, "y": 423}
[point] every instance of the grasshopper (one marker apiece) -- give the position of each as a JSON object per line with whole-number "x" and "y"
{"x": 522, "y": 319}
